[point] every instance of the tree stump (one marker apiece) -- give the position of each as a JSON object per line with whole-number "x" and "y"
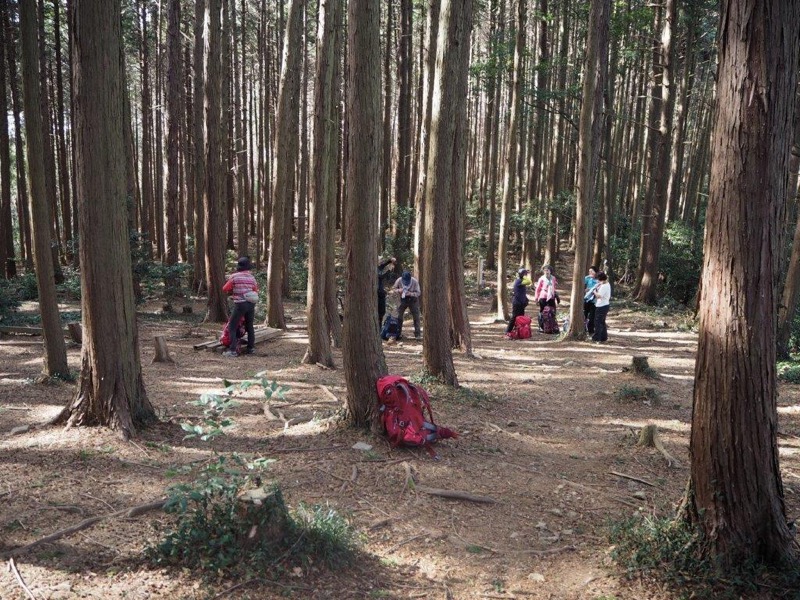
{"x": 264, "y": 518}
{"x": 162, "y": 352}
{"x": 75, "y": 332}
{"x": 640, "y": 364}
{"x": 187, "y": 310}
{"x": 649, "y": 438}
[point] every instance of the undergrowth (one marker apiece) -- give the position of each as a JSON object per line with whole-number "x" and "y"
{"x": 627, "y": 394}
{"x": 670, "y": 551}
{"x": 216, "y": 532}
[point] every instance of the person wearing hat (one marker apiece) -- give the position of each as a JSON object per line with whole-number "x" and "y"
{"x": 409, "y": 290}
{"x": 519, "y": 297}
{"x": 242, "y": 286}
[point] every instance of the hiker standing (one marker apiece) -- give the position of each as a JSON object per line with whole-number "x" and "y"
{"x": 589, "y": 283}
{"x": 409, "y": 290}
{"x": 381, "y": 289}
{"x": 602, "y": 297}
{"x": 545, "y": 293}
{"x": 242, "y": 286}
{"x": 519, "y": 297}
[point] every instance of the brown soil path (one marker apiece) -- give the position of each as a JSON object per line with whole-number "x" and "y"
{"x": 542, "y": 429}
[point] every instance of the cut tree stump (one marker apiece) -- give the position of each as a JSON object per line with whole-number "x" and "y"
{"x": 264, "y": 517}
{"x": 75, "y": 332}
{"x": 640, "y": 364}
{"x": 162, "y": 352}
{"x": 649, "y": 438}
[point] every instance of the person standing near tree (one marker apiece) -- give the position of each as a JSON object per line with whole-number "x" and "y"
{"x": 589, "y": 283}
{"x": 381, "y": 289}
{"x": 602, "y": 298}
{"x": 546, "y": 289}
{"x": 519, "y": 297}
{"x": 409, "y": 290}
{"x": 242, "y": 286}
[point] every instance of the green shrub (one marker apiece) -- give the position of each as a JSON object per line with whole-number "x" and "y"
{"x": 789, "y": 372}
{"x": 628, "y": 393}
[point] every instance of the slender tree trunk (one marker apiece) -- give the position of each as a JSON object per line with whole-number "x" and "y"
{"x": 362, "y": 354}
{"x": 199, "y": 145}
{"x": 111, "y": 389}
{"x": 302, "y": 166}
{"x": 285, "y": 159}
{"x": 403, "y": 172}
{"x": 510, "y": 178}
{"x": 215, "y": 201}
{"x": 174, "y": 115}
{"x": 55, "y": 358}
{"x": 8, "y": 265}
{"x": 735, "y": 493}
{"x": 148, "y": 200}
{"x": 61, "y": 137}
{"x": 386, "y": 164}
{"x": 324, "y": 156}
{"x": 591, "y": 124}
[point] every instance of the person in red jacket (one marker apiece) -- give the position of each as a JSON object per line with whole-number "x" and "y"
{"x": 242, "y": 286}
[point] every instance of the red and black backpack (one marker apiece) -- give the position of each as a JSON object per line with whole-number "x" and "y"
{"x": 403, "y": 406}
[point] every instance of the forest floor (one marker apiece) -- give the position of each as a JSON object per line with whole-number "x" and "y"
{"x": 548, "y": 429}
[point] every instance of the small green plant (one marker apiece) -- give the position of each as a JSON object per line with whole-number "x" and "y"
{"x": 298, "y": 268}
{"x": 789, "y": 372}
{"x": 627, "y": 394}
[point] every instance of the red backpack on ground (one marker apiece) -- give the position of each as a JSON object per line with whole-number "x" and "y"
{"x": 225, "y": 339}
{"x": 522, "y": 328}
{"x": 402, "y": 405}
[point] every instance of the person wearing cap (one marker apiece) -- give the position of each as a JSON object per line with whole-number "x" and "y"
{"x": 519, "y": 297}
{"x": 409, "y": 290}
{"x": 242, "y": 286}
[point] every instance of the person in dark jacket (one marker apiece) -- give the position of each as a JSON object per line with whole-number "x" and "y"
{"x": 519, "y": 297}
{"x": 381, "y": 289}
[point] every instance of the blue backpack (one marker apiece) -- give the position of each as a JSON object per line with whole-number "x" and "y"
{"x": 391, "y": 328}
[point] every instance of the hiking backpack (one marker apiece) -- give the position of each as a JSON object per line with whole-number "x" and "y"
{"x": 391, "y": 328}
{"x": 225, "y": 339}
{"x": 403, "y": 406}
{"x": 522, "y": 328}
{"x": 547, "y": 320}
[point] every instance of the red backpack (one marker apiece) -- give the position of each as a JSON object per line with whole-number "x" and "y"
{"x": 522, "y": 328}
{"x": 402, "y": 405}
{"x": 225, "y": 338}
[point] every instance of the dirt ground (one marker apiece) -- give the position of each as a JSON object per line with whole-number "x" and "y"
{"x": 543, "y": 432}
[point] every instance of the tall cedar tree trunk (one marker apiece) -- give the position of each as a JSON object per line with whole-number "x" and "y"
{"x": 403, "y": 173}
{"x": 59, "y": 243}
{"x": 589, "y": 141}
{"x": 322, "y": 188}
{"x": 61, "y": 135}
{"x": 174, "y": 116}
{"x": 735, "y": 493}
{"x": 510, "y": 176}
{"x": 460, "y": 333}
{"x": 214, "y": 198}
{"x": 362, "y": 353}
{"x": 455, "y": 23}
{"x": 147, "y": 216}
{"x": 23, "y": 206}
{"x": 654, "y": 218}
{"x": 302, "y": 166}
{"x": 199, "y": 144}
{"x": 111, "y": 389}
{"x": 55, "y": 359}
{"x": 494, "y": 134}
{"x": 386, "y": 165}
{"x": 791, "y": 287}
{"x": 8, "y": 266}
{"x": 285, "y": 158}
{"x": 431, "y": 27}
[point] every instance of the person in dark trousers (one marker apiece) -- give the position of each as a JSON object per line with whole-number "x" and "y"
{"x": 381, "y": 289}
{"x": 409, "y": 290}
{"x": 242, "y": 286}
{"x": 519, "y": 297}
{"x": 602, "y": 299}
{"x": 589, "y": 283}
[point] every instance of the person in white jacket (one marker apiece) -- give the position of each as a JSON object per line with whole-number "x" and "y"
{"x": 602, "y": 299}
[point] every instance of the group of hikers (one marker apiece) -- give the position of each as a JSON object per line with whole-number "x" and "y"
{"x": 243, "y": 289}
{"x": 596, "y": 301}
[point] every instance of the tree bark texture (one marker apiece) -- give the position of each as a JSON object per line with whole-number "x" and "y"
{"x": 111, "y": 389}
{"x": 286, "y": 146}
{"x": 589, "y": 142}
{"x": 55, "y": 358}
{"x": 363, "y": 356}
{"x": 174, "y": 116}
{"x": 736, "y": 492}
{"x": 8, "y": 265}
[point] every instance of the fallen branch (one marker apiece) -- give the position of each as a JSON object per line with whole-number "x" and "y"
{"x": 12, "y": 568}
{"x": 85, "y": 524}
{"x": 456, "y": 495}
{"x": 632, "y": 478}
{"x": 405, "y": 541}
{"x": 303, "y": 449}
{"x": 321, "y": 470}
